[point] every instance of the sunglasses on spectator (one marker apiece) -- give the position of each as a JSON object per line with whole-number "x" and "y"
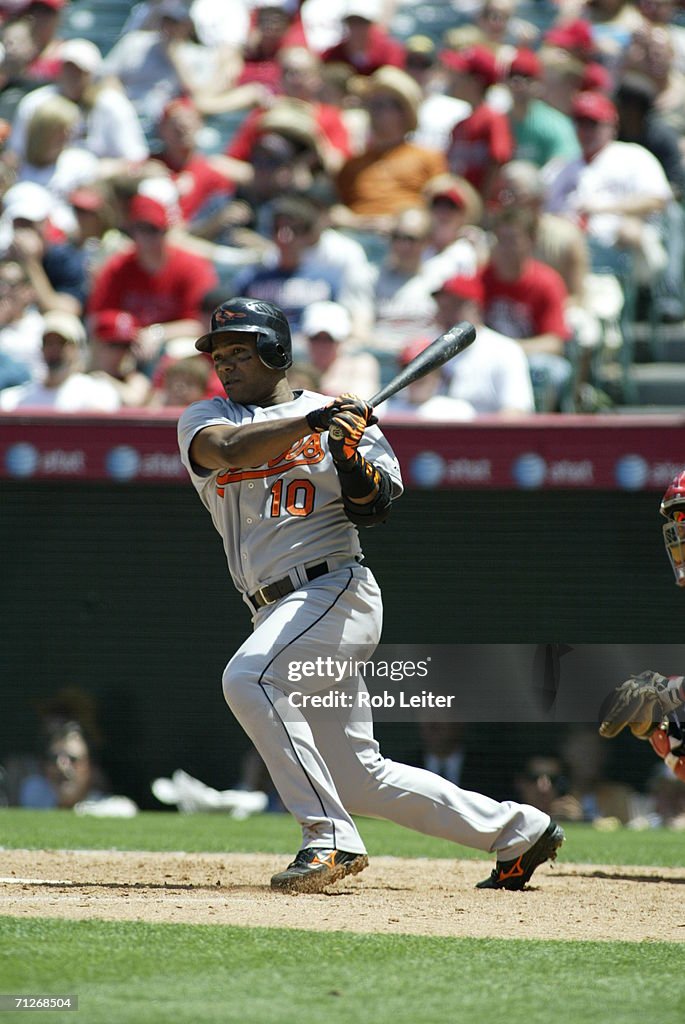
{"x": 385, "y": 104}
{"x": 402, "y": 236}
{"x": 143, "y": 228}
{"x": 419, "y": 62}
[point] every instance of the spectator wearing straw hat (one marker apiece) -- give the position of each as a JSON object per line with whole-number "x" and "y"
{"x": 392, "y": 172}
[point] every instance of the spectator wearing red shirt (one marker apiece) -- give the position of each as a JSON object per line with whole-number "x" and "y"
{"x": 366, "y": 46}
{"x": 196, "y": 178}
{"x": 44, "y": 17}
{"x": 525, "y": 299}
{"x": 158, "y": 284}
{"x": 275, "y": 24}
{"x": 482, "y": 142}
{"x": 300, "y": 81}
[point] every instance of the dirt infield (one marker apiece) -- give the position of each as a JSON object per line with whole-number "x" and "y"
{"x": 420, "y": 897}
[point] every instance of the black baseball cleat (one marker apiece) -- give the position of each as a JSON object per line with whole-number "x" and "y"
{"x": 314, "y": 868}
{"x": 514, "y": 874}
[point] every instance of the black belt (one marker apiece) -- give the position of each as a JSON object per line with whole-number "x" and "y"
{"x": 273, "y": 591}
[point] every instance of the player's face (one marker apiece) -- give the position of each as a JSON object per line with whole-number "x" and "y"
{"x": 244, "y": 376}
{"x": 674, "y": 539}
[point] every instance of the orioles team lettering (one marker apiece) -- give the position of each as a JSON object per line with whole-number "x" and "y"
{"x": 305, "y": 452}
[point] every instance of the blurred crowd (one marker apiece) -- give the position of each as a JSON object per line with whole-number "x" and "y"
{"x": 378, "y": 173}
{"x": 570, "y": 775}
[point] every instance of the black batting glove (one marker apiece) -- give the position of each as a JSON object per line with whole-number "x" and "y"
{"x": 319, "y": 420}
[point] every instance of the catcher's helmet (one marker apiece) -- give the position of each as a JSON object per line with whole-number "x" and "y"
{"x": 253, "y": 316}
{"x": 673, "y": 508}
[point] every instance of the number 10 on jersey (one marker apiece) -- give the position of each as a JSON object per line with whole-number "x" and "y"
{"x": 297, "y": 498}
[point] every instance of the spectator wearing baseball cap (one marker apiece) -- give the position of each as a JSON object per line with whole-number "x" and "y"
{"x": 113, "y": 335}
{"x": 593, "y": 304}
{"x": 65, "y": 387}
{"x": 327, "y": 330}
{"x": 43, "y": 18}
{"x": 482, "y": 142}
{"x": 526, "y": 300}
{"x": 616, "y": 191}
{"x": 295, "y": 276}
{"x": 108, "y": 126}
{"x": 613, "y": 23}
{"x": 404, "y": 306}
{"x": 639, "y": 121}
{"x": 365, "y": 46}
{"x": 274, "y": 162}
{"x": 155, "y": 66}
{"x": 200, "y": 184}
{"x": 540, "y": 132}
{"x": 425, "y": 398}
{"x": 275, "y": 24}
{"x": 502, "y": 28}
{"x": 562, "y": 77}
{"x": 391, "y": 173}
{"x": 301, "y": 82}
{"x": 573, "y": 37}
{"x": 438, "y": 113}
{"x": 456, "y": 244}
{"x": 492, "y": 374}
{"x": 21, "y": 324}
{"x": 57, "y": 277}
{"x": 159, "y": 284}
{"x": 662, "y": 14}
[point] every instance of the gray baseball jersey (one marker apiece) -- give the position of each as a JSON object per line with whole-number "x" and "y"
{"x": 288, "y": 512}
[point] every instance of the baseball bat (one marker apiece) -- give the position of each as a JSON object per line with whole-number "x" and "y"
{"x": 445, "y": 347}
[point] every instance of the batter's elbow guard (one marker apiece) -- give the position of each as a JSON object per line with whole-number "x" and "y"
{"x": 359, "y": 481}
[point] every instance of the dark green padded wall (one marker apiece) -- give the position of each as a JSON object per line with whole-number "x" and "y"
{"x": 123, "y": 591}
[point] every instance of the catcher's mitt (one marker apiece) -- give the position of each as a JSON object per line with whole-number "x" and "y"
{"x": 640, "y": 703}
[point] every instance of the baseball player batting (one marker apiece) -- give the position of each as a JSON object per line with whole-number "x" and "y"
{"x": 647, "y": 703}
{"x": 289, "y": 478}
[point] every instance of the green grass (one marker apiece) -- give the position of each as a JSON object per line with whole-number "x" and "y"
{"x": 173, "y": 974}
{"x": 138, "y": 973}
{"x": 278, "y": 833}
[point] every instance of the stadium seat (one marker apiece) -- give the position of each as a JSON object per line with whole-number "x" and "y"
{"x": 617, "y": 348}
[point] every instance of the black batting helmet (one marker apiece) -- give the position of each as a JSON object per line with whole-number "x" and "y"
{"x": 253, "y": 316}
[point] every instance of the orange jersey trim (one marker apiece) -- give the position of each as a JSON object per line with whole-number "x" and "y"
{"x": 306, "y": 452}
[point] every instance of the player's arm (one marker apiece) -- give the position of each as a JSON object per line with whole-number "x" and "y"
{"x": 220, "y": 445}
{"x": 668, "y": 742}
{"x": 366, "y": 489}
